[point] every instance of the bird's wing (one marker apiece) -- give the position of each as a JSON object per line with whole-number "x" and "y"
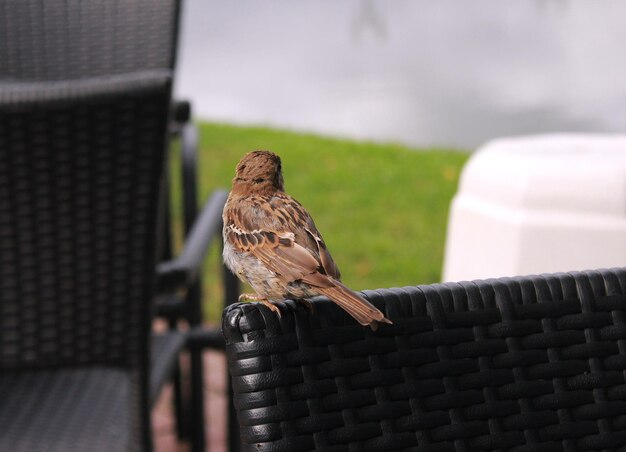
{"x": 298, "y": 220}
{"x": 281, "y": 234}
{"x": 328, "y": 264}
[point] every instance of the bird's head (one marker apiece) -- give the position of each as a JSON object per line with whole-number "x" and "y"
{"x": 259, "y": 171}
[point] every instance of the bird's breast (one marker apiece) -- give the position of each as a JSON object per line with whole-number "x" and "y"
{"x": 252, "y": 271}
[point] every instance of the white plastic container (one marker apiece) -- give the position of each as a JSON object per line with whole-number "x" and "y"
{"x": 539, "y": 204}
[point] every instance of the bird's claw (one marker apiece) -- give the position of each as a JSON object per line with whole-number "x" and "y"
{"x": 272, "y": 307}
{"x": 255, "y": 297}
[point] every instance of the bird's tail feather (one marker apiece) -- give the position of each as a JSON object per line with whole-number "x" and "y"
{"x": 362, "y": 310}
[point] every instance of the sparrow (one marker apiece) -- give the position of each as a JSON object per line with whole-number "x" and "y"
{"x": 272, "y": 243}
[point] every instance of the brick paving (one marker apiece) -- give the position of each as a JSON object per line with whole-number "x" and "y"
{"x": 163, "y": 422}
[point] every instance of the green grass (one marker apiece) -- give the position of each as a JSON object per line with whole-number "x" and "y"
{"x": 381, "y": 208}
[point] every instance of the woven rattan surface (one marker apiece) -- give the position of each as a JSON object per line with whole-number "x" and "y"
{"x": 70, "y": 39}
{"x": 86, "y": 409}
{"x": 525, "y": 364}
{"x": 85, "y": 94}
{"x": 63, "y": 411}
{"x": 79, "y": 194}
{"x": 78, "y": 201}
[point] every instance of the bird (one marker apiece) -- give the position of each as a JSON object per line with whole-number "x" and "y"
{"x": 272, "y": 243}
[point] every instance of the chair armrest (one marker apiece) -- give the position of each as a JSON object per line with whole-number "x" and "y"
{"x": 202, "y": 337}
{"x": 180, "y": 115}
{"x": 181, "y": 111}
{"x": 181, "y": 271}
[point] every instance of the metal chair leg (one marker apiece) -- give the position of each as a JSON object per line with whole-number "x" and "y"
{"x": 197, "y": 401}
{"x": 182, "y": 429}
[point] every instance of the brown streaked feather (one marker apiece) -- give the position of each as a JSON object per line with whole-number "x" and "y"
{"x": 250, "y": 240}
{"x": 306, "y": 234}
{"x": 305, "y": 248}
{"x": 289, "y": 256}
{"x": 296, "y": 263}
{"x": 293, "y": 263}
{"x": 362, "y": 310}
{"x": 326, "y": 260}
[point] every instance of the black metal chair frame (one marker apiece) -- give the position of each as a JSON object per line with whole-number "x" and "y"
{"x": 532, "y": 363}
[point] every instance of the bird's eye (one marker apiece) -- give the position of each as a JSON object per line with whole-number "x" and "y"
{"x": 258, "y": 180}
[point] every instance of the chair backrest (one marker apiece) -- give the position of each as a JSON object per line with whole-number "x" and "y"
{"x": 80, "y": 176}
{"x": 85, "y": 93}
{"x": 50, "y": 40}
{"x": 530, "y": 363}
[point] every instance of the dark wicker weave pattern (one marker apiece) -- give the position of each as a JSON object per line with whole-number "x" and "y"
{"x": 78, "y": 201}
{"x": 80, "y": 172}
{"x": 85, "y": 97}
{"x": 532, "y": 364}
{"x": 70, "y": 39}
{"x": 73, "y": 410}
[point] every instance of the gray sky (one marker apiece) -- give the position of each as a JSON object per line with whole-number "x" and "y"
{"x": 421, "y": 72}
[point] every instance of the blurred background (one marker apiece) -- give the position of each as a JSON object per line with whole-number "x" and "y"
{"x": 376, "y": 107}
{"x": 423, "y": 73}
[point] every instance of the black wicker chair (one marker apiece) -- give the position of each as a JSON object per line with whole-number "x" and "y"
{"x": 526, "y": 364}
{"x": 85, "y": 108}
